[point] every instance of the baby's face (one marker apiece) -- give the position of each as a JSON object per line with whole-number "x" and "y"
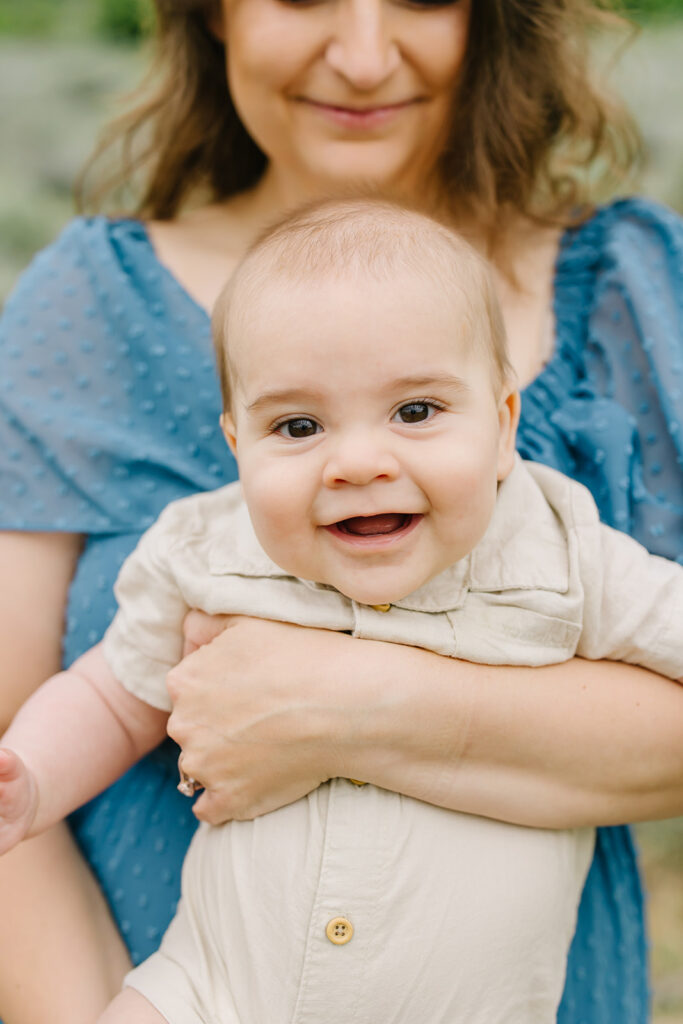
{"x": 369, "y": 438}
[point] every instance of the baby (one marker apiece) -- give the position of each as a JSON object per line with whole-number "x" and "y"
{"x": 370, "y": 405}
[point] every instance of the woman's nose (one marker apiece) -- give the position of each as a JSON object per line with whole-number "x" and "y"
{"x": 363, "y": 50}
{"x": 359, "y": 461}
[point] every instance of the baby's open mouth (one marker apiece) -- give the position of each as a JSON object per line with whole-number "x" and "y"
{"x": 373, "y": 526}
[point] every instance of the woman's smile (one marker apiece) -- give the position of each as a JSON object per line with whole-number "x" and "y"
{"x": 365, "y": 116}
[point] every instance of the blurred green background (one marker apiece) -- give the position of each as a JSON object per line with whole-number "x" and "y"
{"x": 62, "y": 65}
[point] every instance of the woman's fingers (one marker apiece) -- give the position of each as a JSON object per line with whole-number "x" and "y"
{"x": 250, "y": 717}
{"x": 200, "y": 628}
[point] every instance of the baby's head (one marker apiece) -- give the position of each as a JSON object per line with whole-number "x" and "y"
{"x": 367, "y": 395}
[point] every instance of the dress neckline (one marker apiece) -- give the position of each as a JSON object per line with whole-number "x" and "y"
{"x": 571, "y": 288}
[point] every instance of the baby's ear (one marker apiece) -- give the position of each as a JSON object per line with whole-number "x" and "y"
{"x": 508, "y": 418}
{"x": 229, "y": 432}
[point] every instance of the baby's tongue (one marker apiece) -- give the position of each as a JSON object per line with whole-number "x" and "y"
{"x": 366, "y": 526}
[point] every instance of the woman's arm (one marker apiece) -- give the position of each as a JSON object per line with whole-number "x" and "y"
{"x": 62, "y": 958}
{"x": 267, "y": 711}
{"x": 36, "y": 572}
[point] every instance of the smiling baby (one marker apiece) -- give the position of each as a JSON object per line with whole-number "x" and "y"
{"x": 372, "y": 410}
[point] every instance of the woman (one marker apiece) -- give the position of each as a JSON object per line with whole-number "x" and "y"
{"x": 484, "y": 114}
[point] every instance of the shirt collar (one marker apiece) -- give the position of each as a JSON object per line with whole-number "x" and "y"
{"x": 524, "y": 547}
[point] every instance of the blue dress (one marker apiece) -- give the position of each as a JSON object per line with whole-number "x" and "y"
{"x": 109, "y": 409}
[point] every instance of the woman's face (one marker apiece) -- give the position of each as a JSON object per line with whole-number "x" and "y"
{"x": 345, "y": 92}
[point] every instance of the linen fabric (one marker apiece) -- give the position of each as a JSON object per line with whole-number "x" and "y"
{"x": 485, "y": 943}
{"x": 546, "y": 581}
{"x": 108, "y": 410}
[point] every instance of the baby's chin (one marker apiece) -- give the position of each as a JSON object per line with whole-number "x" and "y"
{"x": 377, "y": 594}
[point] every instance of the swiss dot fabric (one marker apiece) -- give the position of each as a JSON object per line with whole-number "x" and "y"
{"x": 109, "y": 409}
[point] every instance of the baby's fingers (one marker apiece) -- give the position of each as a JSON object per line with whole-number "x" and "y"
{"x": 17, "y": 800}
{"x": 11, "y": 765}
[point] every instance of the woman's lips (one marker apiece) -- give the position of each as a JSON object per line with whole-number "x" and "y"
{"x": 374, "y": 531}
{"x": 358, "y": 117}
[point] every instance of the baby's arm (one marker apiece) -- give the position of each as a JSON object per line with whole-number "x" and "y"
{"x": 73, "y": 737}
{"x": 82, "y": 729}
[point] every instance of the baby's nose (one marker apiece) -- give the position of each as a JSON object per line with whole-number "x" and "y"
{"x": 359, "y": 461}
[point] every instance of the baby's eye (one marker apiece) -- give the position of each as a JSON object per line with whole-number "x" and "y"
{"x": 297, "y": 428}
{"x": 415, "y": 412}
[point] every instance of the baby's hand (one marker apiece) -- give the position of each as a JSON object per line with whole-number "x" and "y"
{"x": 18, "y": 799}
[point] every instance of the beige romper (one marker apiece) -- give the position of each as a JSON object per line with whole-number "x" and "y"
{"x": 355, "y": 904}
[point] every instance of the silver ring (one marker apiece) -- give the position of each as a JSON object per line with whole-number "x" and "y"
{"x": 187, "y": 785}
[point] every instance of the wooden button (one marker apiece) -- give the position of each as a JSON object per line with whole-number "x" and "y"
{"x": 339, "y": 931}
{"x": 381, "y": 607}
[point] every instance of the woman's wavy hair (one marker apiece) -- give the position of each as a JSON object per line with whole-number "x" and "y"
{"x": 530, "y": 133}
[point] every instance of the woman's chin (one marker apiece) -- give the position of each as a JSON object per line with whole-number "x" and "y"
{"x": 357, "y": 173}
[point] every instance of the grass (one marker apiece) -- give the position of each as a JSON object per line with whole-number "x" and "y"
{"x": 661, "y": 845}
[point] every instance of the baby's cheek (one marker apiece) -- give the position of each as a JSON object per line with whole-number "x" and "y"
{"x": 266, "y": 499}
{"x": 465, "y": 507}
{"x": 280, "y": 521}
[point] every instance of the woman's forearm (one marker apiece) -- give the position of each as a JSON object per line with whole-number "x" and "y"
{"x": 62, "y": 958}
{"x": 265, "y": 711}
{"x": 581, "y": 743}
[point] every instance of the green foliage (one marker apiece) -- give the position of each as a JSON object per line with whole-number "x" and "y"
{"x": 122, "y": 19}
{"x": 28, "y": 17}
{"x": 117, "y": 20}
{"x": 645, "y": 9}
{"x": 127, "y": 20}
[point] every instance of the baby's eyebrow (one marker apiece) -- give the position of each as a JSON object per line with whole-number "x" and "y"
{"x": 282, "y": 396}
{"x": 430, "y": 380}
{"x": 412, "y": 382}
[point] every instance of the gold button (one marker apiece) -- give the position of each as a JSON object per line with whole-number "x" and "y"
{"x": 381, "y": 607}
{"x": 357, "y": 782}
{"x": 339, "y": 931}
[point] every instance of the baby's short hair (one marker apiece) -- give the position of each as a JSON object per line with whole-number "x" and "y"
{"x": 372, "y": 238}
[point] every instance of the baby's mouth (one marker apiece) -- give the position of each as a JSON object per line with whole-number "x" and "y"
{"x": 375, "y": 532}
{"x": 373, "y": 526}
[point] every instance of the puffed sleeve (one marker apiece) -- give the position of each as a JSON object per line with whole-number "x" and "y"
{"x": 108, "y": 395}
{"x": 49, "y": 337}
{"x": 608, "y": 409}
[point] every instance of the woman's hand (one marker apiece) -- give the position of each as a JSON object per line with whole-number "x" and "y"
{"x": 265, "y": 712}
{"x": 256, "y": 714}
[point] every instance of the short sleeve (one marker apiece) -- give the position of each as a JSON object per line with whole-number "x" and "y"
{"x": 109, "y": 401}
{"x": 145, "y": 640}
{"x": 633, "y": 605}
